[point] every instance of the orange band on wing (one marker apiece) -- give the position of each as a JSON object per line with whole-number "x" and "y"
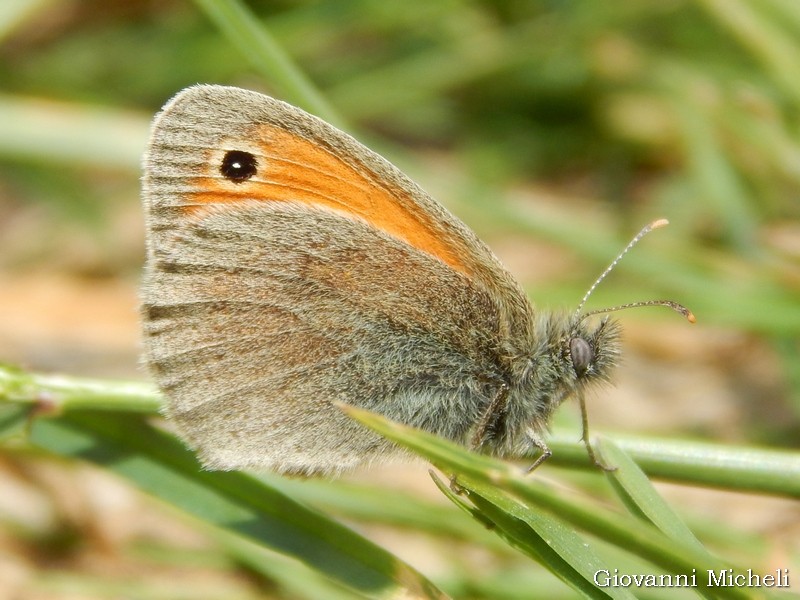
{"x": 292, "y": 168}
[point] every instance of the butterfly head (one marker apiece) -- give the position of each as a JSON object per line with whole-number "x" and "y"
{"x": 592, "y": 351}
{"x": 575, "y": 351}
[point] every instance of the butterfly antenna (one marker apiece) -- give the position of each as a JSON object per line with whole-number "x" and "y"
{"x": 657, "y": 224}
{"x": 678, "y": 308}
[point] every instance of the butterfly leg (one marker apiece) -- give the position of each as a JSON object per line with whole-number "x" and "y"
{"x": 585, "y": 437}
{"x": 546, "y": 453}
{"x": 490, "y": 421}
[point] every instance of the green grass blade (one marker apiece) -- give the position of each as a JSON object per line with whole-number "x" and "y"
{"x": 296, "y": 579}
{"x": 642, "y": 499}
{"x": 63, "y": 393}
{"x": 626, "y": 532}
{"x": 544, "y": 538}
{"x": 159, "y": 464}
{"x": 13, "y": 419}
{"x": 737, "y": 468}
{"x": 767, "y": 41}
{"x": 244, "y": 31}
{"x": 75, "y": 134}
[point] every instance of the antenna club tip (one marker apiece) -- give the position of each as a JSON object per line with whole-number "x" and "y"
{"x": 659, "y": 223}
{"x": 690, "y": 317}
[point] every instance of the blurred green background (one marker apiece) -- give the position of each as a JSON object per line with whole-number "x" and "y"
{"x": 554, "y": 128}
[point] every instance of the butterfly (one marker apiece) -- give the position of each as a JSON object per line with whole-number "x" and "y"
{"x": 290, "y": 268}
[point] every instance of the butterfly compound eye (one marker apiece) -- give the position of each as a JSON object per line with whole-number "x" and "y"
{"x": 582, "y": 355}
{"x": 238, "y": 166}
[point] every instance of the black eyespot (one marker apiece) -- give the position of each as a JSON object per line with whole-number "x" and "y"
{"x": 582, "y": 355}
{"x": 238, "y": 166}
